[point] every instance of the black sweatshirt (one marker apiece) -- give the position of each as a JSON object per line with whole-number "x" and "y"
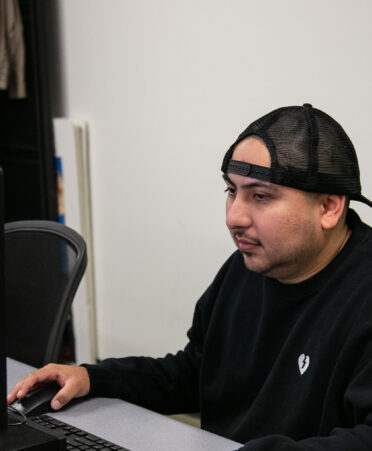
{"x": 274, "y": 366}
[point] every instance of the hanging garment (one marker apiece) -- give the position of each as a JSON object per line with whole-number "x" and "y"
{"x": 12, "y": 51}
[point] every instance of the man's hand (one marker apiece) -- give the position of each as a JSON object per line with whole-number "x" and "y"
{"x": 73, "y": 380}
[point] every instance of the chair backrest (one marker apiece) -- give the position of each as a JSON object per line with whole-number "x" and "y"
{"x": 44, "y": 263}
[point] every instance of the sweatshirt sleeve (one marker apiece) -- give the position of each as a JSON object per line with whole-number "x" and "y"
{"x": 168, "y": 385}
{"x": 165, "y": 385}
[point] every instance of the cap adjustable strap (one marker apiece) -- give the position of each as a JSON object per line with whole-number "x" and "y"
{"x": 248, "y": 170}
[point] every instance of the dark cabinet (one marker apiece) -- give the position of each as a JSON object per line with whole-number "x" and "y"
{"x": 26, "y": 134}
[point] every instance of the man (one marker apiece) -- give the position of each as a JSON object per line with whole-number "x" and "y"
{"x": 280, "y": 350}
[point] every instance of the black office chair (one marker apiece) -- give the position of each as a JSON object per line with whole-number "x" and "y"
{"x": 44, "y": 263}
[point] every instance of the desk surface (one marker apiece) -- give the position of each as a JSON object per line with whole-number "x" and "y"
{"x": 130, "y": 426}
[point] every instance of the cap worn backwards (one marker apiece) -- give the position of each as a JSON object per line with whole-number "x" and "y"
{"x": 309, "y": 151}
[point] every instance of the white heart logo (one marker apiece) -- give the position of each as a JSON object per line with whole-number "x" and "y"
{"x": 303, "y": 363}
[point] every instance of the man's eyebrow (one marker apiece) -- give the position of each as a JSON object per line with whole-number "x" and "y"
{"x": 227, "y": 179}
{"x": 255, "y": 184}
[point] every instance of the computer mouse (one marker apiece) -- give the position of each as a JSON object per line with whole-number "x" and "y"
{"x": 37, "y": 401}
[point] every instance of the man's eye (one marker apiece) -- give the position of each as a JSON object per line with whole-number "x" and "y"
{"x": 259, "y": 196}
{"x": 230, "y": 191}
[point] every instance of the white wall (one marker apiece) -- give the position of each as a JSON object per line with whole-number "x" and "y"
{"x": 166, "y": 86}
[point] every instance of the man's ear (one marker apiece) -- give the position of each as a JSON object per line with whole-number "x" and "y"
{"x": 332, "y": 209}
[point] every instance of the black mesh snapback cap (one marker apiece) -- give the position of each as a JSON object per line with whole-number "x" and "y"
{"x": 309, "y": 151}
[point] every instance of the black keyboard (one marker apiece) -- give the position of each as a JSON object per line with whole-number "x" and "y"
{"x": 76, "y": 439}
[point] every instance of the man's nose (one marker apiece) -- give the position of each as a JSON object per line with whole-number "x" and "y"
{"x": 238, "y": 214}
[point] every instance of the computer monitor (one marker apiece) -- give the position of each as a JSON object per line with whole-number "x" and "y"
{"x": 3, "y": 385}
{"x": 23, "y": 436}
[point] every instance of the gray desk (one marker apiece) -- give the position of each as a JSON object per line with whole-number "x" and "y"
{"x": 131, "y": 426}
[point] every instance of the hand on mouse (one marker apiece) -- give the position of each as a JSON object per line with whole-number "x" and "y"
{"x": 73, "y": 380}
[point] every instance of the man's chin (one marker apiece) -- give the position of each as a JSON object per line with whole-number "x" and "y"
{"x": 252, "y": 263}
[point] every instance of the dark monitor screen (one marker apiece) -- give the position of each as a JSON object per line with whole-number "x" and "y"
{"x": 3, "y": 386}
